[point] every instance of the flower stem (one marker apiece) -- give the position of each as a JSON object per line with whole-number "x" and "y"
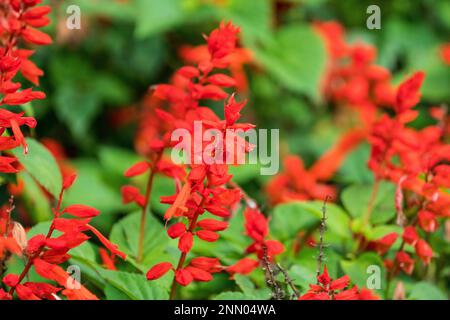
{"x": 371, "y": 204}
{"x": 183, "y": 256}
{"x": 148, "y": 192}
{"x": 323, "y": 227}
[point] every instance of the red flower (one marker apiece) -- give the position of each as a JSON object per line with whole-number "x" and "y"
{"x": 158, "y": 270}
{"x": 405, "y": 262}
{"x": 185, "y": 242}
{"x": 329, "y": 289}
{"x": 81, "y": 211}
{"x": 137, "y": 169}
{"x": 199, "y": 274}
{"x": 176, "y": 230}
{"x": 207, "y": 235}
{"x": 424, "y": 251}
{"x": 384, "y": 244}
{"x": 243, "y": 266}
{"x": 427, "y": 221}
{"x": 207, "y": 264}
{"x": 408, "y": 94}
{"x": 132, "y": 194}
{"x": 212, "y": 225}
{"x": 410, "y": 235}
{"x": 183, "y": 277}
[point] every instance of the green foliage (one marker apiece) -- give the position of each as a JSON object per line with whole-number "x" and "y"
{"x": 285, "y": 58}
{"x": 130, "y": 286}
{"x": 126, "y": 235}
{"x": 426, "y": 291}
{"x": 41, "y": 165}
{"x": 356, "y": 199}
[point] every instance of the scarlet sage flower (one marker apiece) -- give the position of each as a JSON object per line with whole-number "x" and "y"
{"x": 404, "y": 155}
{"x": 204, "y": 187}
{"x": 46, "y": 252}
{"x": 18, "y": 21}
{"x": 329, "y": 289}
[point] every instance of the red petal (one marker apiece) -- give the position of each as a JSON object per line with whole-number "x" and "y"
{"x": 158, "y": 270}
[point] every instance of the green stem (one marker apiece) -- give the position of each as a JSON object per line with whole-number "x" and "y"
{"x": 371, "y": 203}
{"x": 146, "y": 206}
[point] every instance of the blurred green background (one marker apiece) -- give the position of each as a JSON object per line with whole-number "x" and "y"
{"x": 124, "y": 47}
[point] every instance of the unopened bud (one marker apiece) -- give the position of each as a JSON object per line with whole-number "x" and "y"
{"x": 19, "y": 234}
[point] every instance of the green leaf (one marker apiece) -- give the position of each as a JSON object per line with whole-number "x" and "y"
{"x": 426, "y": 291}
{"x": 244, "y": 283}
{"x": 132, "y": 286}
{"x": 302, "y": 276}
{"x": 41, "y": 165}
{"x": 288, "y": 219}
{"x": 230, "y": 296}
{"x": 354, "y": 169}
{"x": 357, "y": 269}
{"x": 116, "y": 160}
{"x": 382, "y": 230}
{"x": 253, "y": 17}
{"x": 155, "y": 16}
{"x": 125, "y": 234}
{"x": 261, "y": 294}
{"x": 296, "y": 58}
{"x": 302, "y": 214}
{"x": 100, "y": 195}
{"x": 356, "y": 200}
{"x": 35, "y": 200}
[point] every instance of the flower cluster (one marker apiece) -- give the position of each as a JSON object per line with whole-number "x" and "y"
{"x": 19, "y": 20}
{"x": 296, "y": 183}
{"x": 353, "y": 79}
{"x": 46, "y": 252}
{"x": 329, "y": 289}
{"x": 257, "y": 229}
{"x": 418, "y": 162}
{"x": 204, "y": 187}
